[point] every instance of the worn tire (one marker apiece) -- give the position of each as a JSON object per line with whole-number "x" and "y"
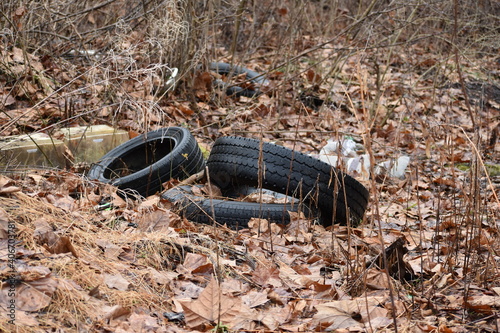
{"x": 234, "y": 161}
{"x": 234, "y": 214}
{"x": 143, "y": 163}
{"x": 252, "y": 76}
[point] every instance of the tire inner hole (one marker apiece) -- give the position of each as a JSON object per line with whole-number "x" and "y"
{"x": 141, "y": 157}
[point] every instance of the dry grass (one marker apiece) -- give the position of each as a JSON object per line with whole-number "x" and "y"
{"x": 77, "y": 276}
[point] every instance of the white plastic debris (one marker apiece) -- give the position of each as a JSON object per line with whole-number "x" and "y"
{"x": 359, "y": 165}
{"x": 170, "y": 84}
{"x": 86, "y": 53}
{"x": 344, "y": 154}
{"x": 393, "y": 168}
{"x": 345, "y": 148}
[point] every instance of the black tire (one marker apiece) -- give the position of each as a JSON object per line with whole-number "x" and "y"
{"x": 252, "y": 76}
{"x": 234, "y": 214}
{"x": 145, "y": 162}
{"x": 234, "y": 161}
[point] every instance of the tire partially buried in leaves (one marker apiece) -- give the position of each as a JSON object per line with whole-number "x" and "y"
{"x": 234, "y": 161}
{"x": 234, "y": 214}
{"x": 143, "y": 163}
{"x": 253, "y": 78}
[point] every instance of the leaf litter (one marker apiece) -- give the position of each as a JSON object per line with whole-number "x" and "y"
{"x": 424, "y": 259}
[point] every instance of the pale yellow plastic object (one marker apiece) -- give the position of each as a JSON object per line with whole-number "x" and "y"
{"x": 38, "y": 149}
{"x": 90, "y": 143}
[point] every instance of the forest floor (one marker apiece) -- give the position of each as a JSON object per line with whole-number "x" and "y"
{"x": 139, "y": 266}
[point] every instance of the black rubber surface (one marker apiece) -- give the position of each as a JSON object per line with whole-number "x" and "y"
{"x": 145, "y": 162}
{"x": 235, "y": 214}
{"x": 227, "y": 69}
{"x": 234, "y": 161}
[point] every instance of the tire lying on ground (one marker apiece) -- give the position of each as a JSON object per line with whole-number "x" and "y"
{"x": 234, "y": 70}
{"x": 145, "y": 162}
{"x": 234, "y": 161}
{"x": 234, "y": 214}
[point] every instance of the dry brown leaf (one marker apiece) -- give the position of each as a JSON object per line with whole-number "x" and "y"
{"x": 276, "y": 297}
{"x": 258, "y": 225}
{"x": 6, "y": 250}
{"x": 143, "y": 323}
{"x": 7, "y": 185}
{"x": 193, "y": 261}
{"x": 44, "y": 234}
{"x": 30, "y": 296}
{"x": 344, "y": 313}
{"x": 151, "y": 203}
{"x": 70, "y": 286}
{"x": 45, "y": 285}
{"x": 444, "y": 181}
{"x": 264, "y": 276}
{"x": 202, "y": 85}
{"x": 484, "y": 300}
{"x": 185, "y": 109}
{"x": 63, "y": 245}
{"x": 32, "y": 273}
{"x": 111, "y": 251}
{"x": 128, "y": 254}
{"x": 157, "y": 220}
{"x": 114, "y": 312}
{"x": 65, "y": 202}
{"x": 17, "y": 55}
{"x": 5, "y": 181}
{"x": 5, "y": 224}
{"x": 47, "y": 237}
{"x": 234, "y": 286}
{"x": 210, "y": 189}
{"x": 210, "y": 306}
{"x": 9, "y": 189}
{"x": 291, "y": 276}
{"x": 273, "y": 317}
{"x": 376, "y": 279}
{"x": 313, "y": 77}
{"x": 163, "y": 277}
{"x": 116, "y": 281}
{"x": 255, "y": 298}
{"x": 187, "y": 290}
{"x": 377, "y": 317}
{"x": 24, "y": 318}
{"x": 117, "y": 201}
{"x": 206, "y": 269}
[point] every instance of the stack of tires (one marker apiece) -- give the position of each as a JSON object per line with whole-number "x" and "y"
{"x": 144, "y": 163}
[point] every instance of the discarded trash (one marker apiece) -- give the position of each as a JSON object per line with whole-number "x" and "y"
{"x": 90, "y": 143}
{"x": 86, "y": 144}
{"x": 394, "y": 167}
{"x": 35, "y": 149}
{"x": 83, "y": 53}
{"x": 171, "y": 82}
{"x": 345, "y": 154}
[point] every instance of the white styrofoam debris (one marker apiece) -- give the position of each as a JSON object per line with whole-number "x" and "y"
{"x": 344, "y": 153}
{"x": 394, "y": 168}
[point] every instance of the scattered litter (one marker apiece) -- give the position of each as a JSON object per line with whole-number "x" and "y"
{"x": 171, "y": 82}
{"x": 84, "y": 53}
{"x": 393, "y": 168}
{"x": 349, "y": 155}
